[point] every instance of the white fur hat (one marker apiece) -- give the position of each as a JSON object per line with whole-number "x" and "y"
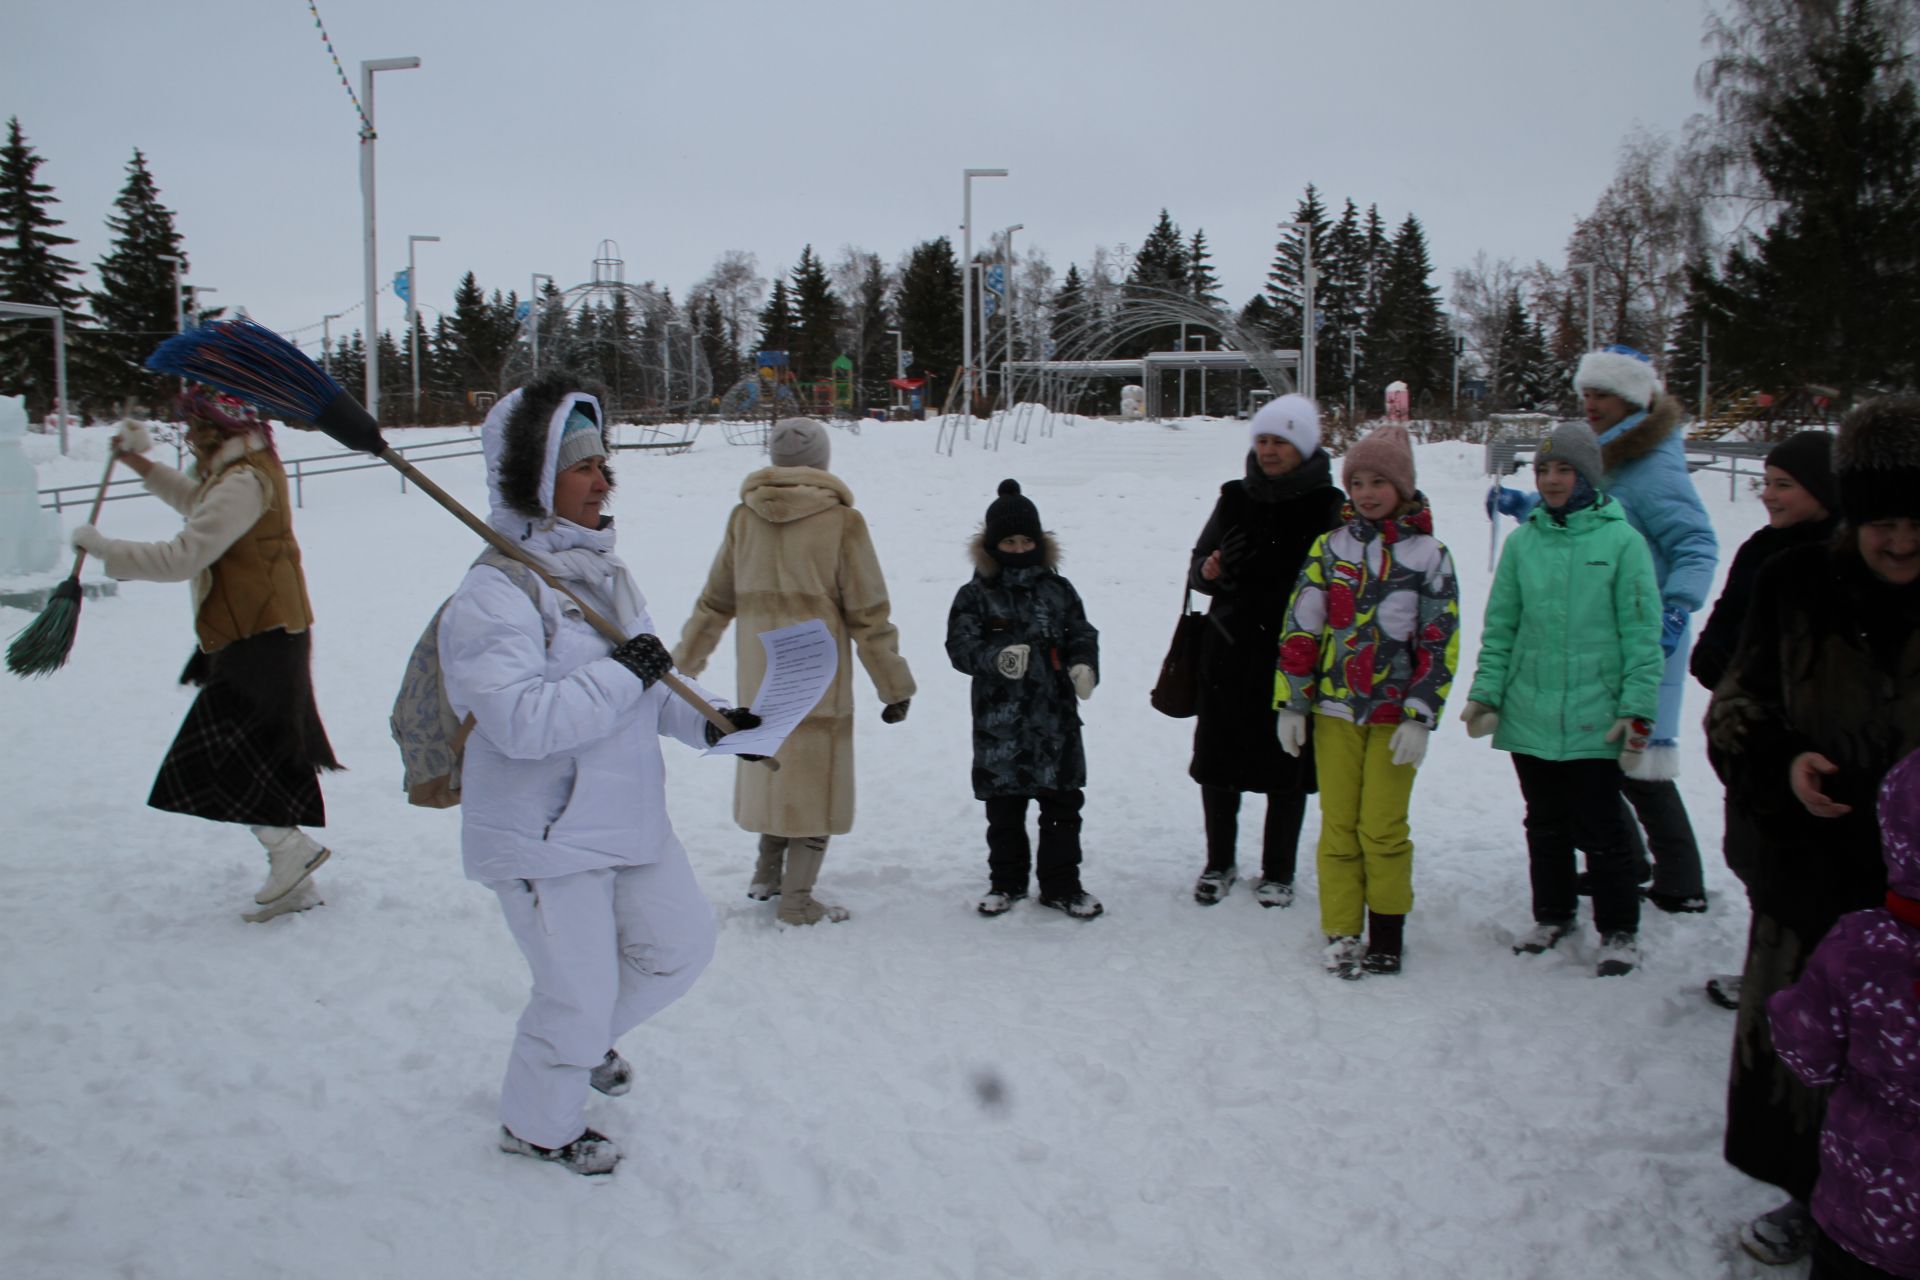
{"x": 1293, "y": 418}
{"x": 1619, "y": 371}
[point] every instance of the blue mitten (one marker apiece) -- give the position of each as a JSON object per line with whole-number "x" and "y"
{"x": 1673, "y": 624}
{"x": 1508, "y": 502}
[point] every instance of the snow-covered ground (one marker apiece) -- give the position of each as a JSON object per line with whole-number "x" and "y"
{"x": 1169, "y": 1091}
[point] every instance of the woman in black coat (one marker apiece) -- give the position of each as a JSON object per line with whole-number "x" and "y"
{"x": 1822, "y": 697}
{"x": 1247, "y": 559}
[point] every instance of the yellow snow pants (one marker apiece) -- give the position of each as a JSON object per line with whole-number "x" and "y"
{"x": 1365, "y": 857}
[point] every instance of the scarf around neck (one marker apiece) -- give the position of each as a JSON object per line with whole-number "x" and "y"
{"x": 584, "y": 560}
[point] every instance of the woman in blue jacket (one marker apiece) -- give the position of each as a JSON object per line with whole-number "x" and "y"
{"x": 1643, "y": 452}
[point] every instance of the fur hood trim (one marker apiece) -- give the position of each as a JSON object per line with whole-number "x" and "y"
{"x": 987, "y": 567}
{"x": 1641, "y": 439}
{"x": 231, "y": 450}
{"x": 521, "y": 437}
{"x": 785, "y": 494}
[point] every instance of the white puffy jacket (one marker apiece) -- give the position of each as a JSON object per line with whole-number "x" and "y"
{"x": 563, "y": 771}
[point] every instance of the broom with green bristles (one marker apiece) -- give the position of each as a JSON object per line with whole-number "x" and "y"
{"x": 253, "y": 362}
{"x": 41, "y": 647}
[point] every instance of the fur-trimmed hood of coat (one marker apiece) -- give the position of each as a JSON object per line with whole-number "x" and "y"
{"x": 781, "y": 495}
{"x": 1660, "y": 420}
{"x": 987, "y": 567}
{"x": 521, "y": 439}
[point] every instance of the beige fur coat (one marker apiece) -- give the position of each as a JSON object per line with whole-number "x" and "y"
{"x": 796, "y": 549}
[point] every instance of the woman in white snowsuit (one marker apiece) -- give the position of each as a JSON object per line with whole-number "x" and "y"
{"x": 565, "y": 815}
{"x": 252, "y": 744}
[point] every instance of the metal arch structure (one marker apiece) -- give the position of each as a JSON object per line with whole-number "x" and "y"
{"x": 629, "y": 338}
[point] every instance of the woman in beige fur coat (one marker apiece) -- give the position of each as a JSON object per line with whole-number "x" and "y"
{"x": 796, "y": 549}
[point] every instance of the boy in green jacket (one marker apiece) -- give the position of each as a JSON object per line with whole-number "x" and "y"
{"x": 1569, "y": 682}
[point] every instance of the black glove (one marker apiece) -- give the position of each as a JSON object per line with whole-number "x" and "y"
{"x": 1235, "y": 550}
{"x": 895, "y": 712}
{"x": 740, "y": 718}
{"x": 646, "y": 657}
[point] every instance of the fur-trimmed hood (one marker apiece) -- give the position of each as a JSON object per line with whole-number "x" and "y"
{"x": 987, "y": 567}
{"x": 231, "y": 450}
{"x": 521, "y": 439}
{"x": 782, "y": 495}
{"x": 1640, "y": 434}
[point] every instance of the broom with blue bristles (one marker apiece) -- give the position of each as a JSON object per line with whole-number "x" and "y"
{"x": 41, "y": 647}
{"x": 253, "y": 362}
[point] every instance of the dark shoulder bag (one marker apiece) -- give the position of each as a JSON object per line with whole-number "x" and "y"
{"x": 1176, "y": 692}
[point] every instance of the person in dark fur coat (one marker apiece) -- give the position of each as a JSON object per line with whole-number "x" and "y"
{"x": 1246, "y": 560}
{"x": 252, "y": 745}
{"x": 1821, "y": 699}
{"x": 1019, "y": 629}
{"x": 1802, "y": 509}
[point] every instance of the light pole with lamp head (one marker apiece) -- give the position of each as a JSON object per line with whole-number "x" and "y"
{"x": 1308, "y": 383}
{"x": 413, "y": 329}
{"x": 326, "y": 341}
{"x": 1007, "y": 262}
{"x": 367, "y": 136}
{"x": 966, "y": 277}
{"x": 179, "y": 311}
{"x": 533, "y": 315}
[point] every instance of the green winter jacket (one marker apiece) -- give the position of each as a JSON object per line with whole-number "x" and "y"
{"x": 1571, "y": 641}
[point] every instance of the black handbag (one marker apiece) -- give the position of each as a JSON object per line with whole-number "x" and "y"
{"x": 1176, "y": 693}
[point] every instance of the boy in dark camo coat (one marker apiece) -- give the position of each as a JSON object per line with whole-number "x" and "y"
{"x": 1019, "y": 630}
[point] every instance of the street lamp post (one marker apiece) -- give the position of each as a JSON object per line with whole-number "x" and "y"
{"x": 1703, "y": 371}
{"x": 966, "y": 277}
{"x": 179, "y": 313}
{"x": 367, "y": 136}
{"x": 326, "y": 341}
{"x": 413, "y": 330}
{"x": 1308, "y": 383}
{"x": 899, "y": 367}
{"x": 1458, "y": 343}
{"x": 533, "y": 314}
{"x": 666, "y": 349}
{"x": 1006, "y": 373}
{"x": 33, "y": 311}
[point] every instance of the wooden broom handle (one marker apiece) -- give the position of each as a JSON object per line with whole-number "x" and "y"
{"x": 507, "y": 547}
{"x": 93, "y": 513}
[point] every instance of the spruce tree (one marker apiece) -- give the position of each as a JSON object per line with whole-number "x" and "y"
{"x": 817, "y": 313}
{"x": 928, "y": 307}
{"x": 32, "y": 271}
{"x": 135, "y": 305}
{"x": 1201, "y": 281}
{"x": 1067, "y": 318}
{"x": 1285, "y": 283}
{"x": 1829, "y": 293}
{"x": 873, "y": 354}
{"x": 776, "y": 320}
{"x": 1407, "y": 340}
{"x": 1160, "y": 267}
{"x": 1340, "y": 298}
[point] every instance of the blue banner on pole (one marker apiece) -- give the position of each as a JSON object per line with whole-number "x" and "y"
{"x": 997, "y": 277}
{"x": 989, "y": 303}
{"x": 402, "y": 286}
{"x": 521, "y": 310}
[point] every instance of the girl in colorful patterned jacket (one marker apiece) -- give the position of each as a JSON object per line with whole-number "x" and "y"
{"x": 1368, "y": 651}
{"x": 1852, "y": 1022}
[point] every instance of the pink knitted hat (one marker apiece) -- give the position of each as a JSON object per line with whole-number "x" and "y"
{"x": 1387, "y": 450}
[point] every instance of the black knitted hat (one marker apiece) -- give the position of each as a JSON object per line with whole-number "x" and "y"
{"x": 1876, "y": 460}
{"x": 1010, "y": 513}
{"x": 1807, "y": 456}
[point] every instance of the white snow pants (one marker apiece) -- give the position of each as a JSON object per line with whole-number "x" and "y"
{"x": 608, "y": 948}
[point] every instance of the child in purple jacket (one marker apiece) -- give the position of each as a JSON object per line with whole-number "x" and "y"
{"x": 1853, "y": 1021}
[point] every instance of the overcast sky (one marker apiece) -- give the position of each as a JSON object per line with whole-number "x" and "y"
{"x": 534, "y": 129}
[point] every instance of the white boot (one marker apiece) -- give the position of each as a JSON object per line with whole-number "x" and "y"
{"x": 304, "y": 898}
{"x": 292, "y": 856}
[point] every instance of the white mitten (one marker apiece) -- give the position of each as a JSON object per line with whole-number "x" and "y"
{"x": 89, "y": 539}
{"x": 1012, "y": 662}
{"x": 1291, "y": 729}
{"x": 1631, "y": 733}
{"x": 131, "y": 436}
{"x": 1409, "y": 743}
{"x": 1083, "y": 679}
{"x": 1480, "y": 719}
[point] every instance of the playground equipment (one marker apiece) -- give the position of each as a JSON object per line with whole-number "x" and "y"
{"x": 624, "y": 336}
